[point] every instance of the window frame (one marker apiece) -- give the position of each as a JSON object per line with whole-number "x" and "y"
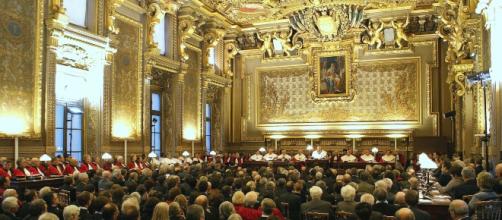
{"x": 153, "y": 131}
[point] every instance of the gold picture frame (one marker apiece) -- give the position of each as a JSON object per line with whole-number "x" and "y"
{"x": 332, "y": 76}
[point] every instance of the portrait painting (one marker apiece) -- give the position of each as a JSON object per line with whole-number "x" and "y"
{"x": 332, "y": 76}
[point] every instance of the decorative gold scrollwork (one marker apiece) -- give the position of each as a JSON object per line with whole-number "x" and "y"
{"x": 459, "y": 80}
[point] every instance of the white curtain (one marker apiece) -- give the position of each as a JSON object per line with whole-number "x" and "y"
{"x": 76, "y": 11}
{"x": 160, "y": 35}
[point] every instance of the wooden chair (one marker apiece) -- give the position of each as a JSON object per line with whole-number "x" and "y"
{"x": 64, "y": 197}
{"x": 344, "y": 215}
{"x": 285, "y": 207}
{"x": 316, "y": 216}
{"x": 385, "y": 217}
{"x": 467, "y": 198}
{"x": 488, "y": 210}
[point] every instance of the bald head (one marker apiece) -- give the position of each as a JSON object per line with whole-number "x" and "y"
{"x": 405, "y": 214}
{"x": 201, "y": 200}
{"x": 498, "y": 170}
{"x": 399, "y": 198}
{"x": 458, "y": 209}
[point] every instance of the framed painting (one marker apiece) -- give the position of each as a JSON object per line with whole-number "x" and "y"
{"x": 332, "y": 77}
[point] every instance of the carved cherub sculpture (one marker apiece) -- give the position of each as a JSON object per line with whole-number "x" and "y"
{"x": 375, "y": 33}
{"x": 399, "y": 27}
{"x": 267, "y": 46}
{"x": 285, "y": 41}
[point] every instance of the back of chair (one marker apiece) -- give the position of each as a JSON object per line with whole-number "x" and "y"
{"x": 344, "y": 215}
{"x": 316, "y": 216}
{"x": 64, "y": 197}
{"x": 285, "y": 210}
{"x": 488, "y": 210}
{"x": 467, "y": 198}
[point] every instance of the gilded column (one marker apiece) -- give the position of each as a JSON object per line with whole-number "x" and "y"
{"x": 179, "y": 83}
{"x": 55, "y": 25}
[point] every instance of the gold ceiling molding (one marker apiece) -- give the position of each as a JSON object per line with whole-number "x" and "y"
{"x": 326, "y": 23}
{"x": 248, "y": 12}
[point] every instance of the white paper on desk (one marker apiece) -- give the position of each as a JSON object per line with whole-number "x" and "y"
{"x": 424, "y": 201}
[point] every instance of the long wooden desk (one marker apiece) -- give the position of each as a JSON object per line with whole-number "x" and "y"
{"x": 37, "y": 183}
{"x": 310, "y": 163}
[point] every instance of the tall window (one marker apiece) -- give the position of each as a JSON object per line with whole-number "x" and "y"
{"x": 76, "y": 11}
{"x": 156, "y": 123}
{"x": 68, "y": 137}
{"x": 208, "y": 127}
{"x": 160, "y": 35}
{"x": 212, "y": 56}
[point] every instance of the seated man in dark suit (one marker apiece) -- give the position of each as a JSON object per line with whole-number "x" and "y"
{"x": 382, "y": 204}
{"x": 411, "y": 198}
{"x": 293, "y": 198}
{"x": 363, "y": 211}
{"x": 316, "y": 204}
{"x": 84, "y": 201}
{"x": 469, "y": 187}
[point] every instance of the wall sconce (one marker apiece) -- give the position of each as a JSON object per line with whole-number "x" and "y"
{"x": 262, "y": 150}
{"x": 106, "y": 156}
{"x": 312, "y": 137}
{"x": 14, "y": 126}
{"x": 189, "y": 134}
{"x": 185, "y": 154}
{"x": 122, "y": 130}
{"x": 374, "y": 150}
{"x": 45, "y": 158}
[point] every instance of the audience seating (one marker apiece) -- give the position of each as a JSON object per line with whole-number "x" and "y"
{"x": 316, "y": 216}
{"x": 285, "y": 207}
{"x": 489, "y": 210}
{"x": 343, "y": 215}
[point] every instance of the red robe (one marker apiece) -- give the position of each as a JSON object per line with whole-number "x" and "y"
{"x": 19, "y": 172}
{"x": 84, "y": 167}
{"x": 4, "y": 173}
{"x": 53, "y": 171}
{"x": 34, "y": 171}
{"x": 69, "y": 169}
{"x": 135, "y": 165}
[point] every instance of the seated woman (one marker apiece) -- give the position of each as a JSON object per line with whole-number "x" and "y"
{"x": 485, "y": 183}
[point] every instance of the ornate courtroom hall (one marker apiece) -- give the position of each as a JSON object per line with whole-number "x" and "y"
{"x": 250, "y": 109}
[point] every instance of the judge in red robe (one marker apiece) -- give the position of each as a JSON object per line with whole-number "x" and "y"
{"x": 71, "y": 167}
{"x": 87, "y": 165}
{"x": 134, "y": 164}
{"x": 53, "y": 168}
{"x": 5, "y": 169}
{"x": 21, "y": 171}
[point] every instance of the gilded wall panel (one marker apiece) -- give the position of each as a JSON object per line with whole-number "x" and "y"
{"x": 127, "y": 79}
{"x": 385, "y": 91}
{"x": 20, "y": 55}
{"x": 192, "y": 95}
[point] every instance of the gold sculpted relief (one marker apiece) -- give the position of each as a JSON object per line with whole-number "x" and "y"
{"x": 385, "y": 91}
{"x": 127, "y": 76}
{"x": 20, "y": 76}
